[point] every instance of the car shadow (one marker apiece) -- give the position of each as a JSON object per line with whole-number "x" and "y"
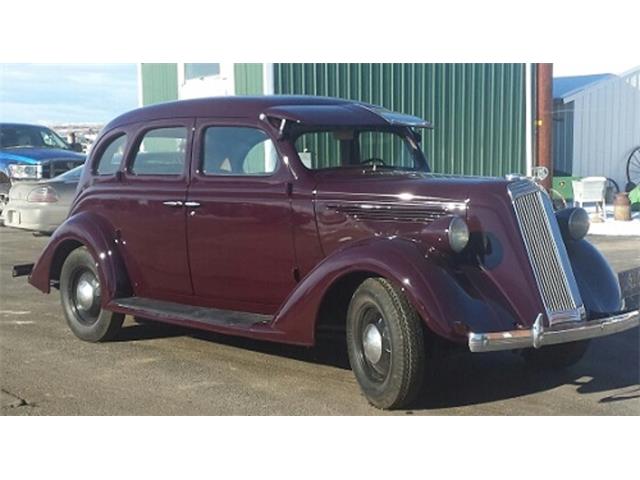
{"x": 611, "y": 364}
{"x": 149, "y": 331}
{"x": 460, "y": 378}
{"x": 330, "y": 351}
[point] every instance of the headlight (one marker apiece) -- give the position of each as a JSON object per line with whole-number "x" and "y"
{"x": 42, "y": 194}
{"x": 578, "y": 223}
{"x": 449, "y": 234}
{"x": 574, "y": 223}
{"x": 24, "y": 172}
{"x": 458, "y": 234}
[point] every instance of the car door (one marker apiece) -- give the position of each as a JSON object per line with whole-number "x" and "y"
{"x": 239, "y": 218}
{"x": 150, "y": 210}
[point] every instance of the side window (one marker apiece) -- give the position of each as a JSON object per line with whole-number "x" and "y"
{"x": 238, "y": 151}
{"x": 201, "y": 70}
{"x": 48, "y": 139}
{"x": 162, "y": 151}
{"x": 111, "y": 157}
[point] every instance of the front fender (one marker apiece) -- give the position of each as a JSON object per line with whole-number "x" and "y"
{"x": 597, "y": 282}
{"x": 95, "y": 233}
{"x": 430, "y": 286}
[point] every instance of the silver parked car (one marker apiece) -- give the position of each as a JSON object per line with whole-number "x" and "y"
{"x": 42, "y": 205}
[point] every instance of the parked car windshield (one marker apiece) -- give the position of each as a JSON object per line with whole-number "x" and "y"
{"x": 359, "y": 148}
{"x": 14, "y": 136}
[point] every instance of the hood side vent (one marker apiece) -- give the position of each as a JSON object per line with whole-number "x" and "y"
{"x": 403, "y": 212}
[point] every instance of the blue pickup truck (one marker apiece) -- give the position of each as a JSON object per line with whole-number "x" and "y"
{"x": 33, "y": 152}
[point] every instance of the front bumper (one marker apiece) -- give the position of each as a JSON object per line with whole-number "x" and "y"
{"x": 538, "y": 336}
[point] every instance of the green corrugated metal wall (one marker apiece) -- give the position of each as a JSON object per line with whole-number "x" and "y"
{"x": 478, "y": 109}
{"x": 248, "y": 78}
{"x": 159, "y": 82}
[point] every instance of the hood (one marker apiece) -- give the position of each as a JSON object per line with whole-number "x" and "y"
{"x": 403, "y": 186}
{"x": 37, "y": 155}
{"x": 353, "y": 207}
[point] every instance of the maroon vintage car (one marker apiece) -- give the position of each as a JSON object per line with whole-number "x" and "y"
{"x": 276, "y": 217}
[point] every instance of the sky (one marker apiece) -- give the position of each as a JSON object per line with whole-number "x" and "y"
{"x": 591, "y": 67}
{"x": 96, "y": 93}
{"x": 66, "y": 93}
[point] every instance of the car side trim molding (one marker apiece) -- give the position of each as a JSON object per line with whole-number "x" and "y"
{"x": 538, "y": 336}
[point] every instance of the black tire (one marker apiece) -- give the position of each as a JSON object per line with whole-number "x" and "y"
{"x": 556, "y": 357}
{"x": 393, "y": 379}
{"x": 80, "y": 294}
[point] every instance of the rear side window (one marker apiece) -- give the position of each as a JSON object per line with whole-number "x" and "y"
{"x": 109, "y": 161}
{"x": 238, "y": 151}
{"x": 162, "y": 151}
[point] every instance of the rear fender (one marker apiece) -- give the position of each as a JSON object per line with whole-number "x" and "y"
{"x": 430, "y": 287}
{"x": 92, "y": 231}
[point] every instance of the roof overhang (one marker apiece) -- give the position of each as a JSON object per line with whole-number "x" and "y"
{"x": 343, "y": 115}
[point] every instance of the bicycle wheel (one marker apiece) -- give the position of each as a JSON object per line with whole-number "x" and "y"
{"x": 633, "y": 167}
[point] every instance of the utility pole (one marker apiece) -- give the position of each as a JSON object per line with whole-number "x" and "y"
{"x": 544, "y": 119}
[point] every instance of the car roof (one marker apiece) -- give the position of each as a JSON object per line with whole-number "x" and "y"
{"x": 291, "y": 107}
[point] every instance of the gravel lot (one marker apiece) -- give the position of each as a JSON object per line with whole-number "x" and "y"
{"x": 161, "y": 370}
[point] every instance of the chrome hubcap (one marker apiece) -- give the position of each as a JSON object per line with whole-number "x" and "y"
{"x": 87, "y": 292}
{"x": 372, "y": 343}
{"x": 375, "y": 344}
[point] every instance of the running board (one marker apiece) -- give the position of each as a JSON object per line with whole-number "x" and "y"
{"x": 188, "y": 314}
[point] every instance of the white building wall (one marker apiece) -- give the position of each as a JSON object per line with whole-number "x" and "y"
{"x": 606, "y": 127}
{"x": 214, "y": 86}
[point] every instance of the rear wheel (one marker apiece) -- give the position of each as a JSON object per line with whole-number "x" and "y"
{"x": 385, "y": 344}
{"x": 80, "y": 291}
{"x": 556, "y": 357}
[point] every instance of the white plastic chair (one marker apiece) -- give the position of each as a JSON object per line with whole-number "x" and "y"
{"x": 591, "y": 190}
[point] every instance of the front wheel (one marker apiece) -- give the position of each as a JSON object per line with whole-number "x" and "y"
{"x": 556, "y": 357}
{"x": 80, "y": 291}
{"x": 385, "y": 344}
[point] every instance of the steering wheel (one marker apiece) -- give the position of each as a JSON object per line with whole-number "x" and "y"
{"x": 373, "y": 160}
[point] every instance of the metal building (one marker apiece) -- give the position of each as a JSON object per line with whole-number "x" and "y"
{"x": 596, "y": 124}
{"x": 478, "y": 109}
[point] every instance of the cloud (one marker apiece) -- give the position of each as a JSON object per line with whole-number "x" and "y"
{"x": 52, "y": 93}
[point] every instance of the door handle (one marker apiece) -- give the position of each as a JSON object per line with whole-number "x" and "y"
{"x": 173, "y": 203}
{"x": 191, "y": 204}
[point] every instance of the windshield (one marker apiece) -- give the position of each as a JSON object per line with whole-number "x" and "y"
{"x": 359, "y": 148}
{"x": 14, "y": 136}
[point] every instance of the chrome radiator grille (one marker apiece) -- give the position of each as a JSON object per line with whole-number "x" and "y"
{"x": 547, "y": 253}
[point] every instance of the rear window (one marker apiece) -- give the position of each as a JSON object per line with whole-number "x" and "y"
{"x": 162, "y": 151}
{"x": 72, "y": 175}
{"x": 109, "y": 161}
